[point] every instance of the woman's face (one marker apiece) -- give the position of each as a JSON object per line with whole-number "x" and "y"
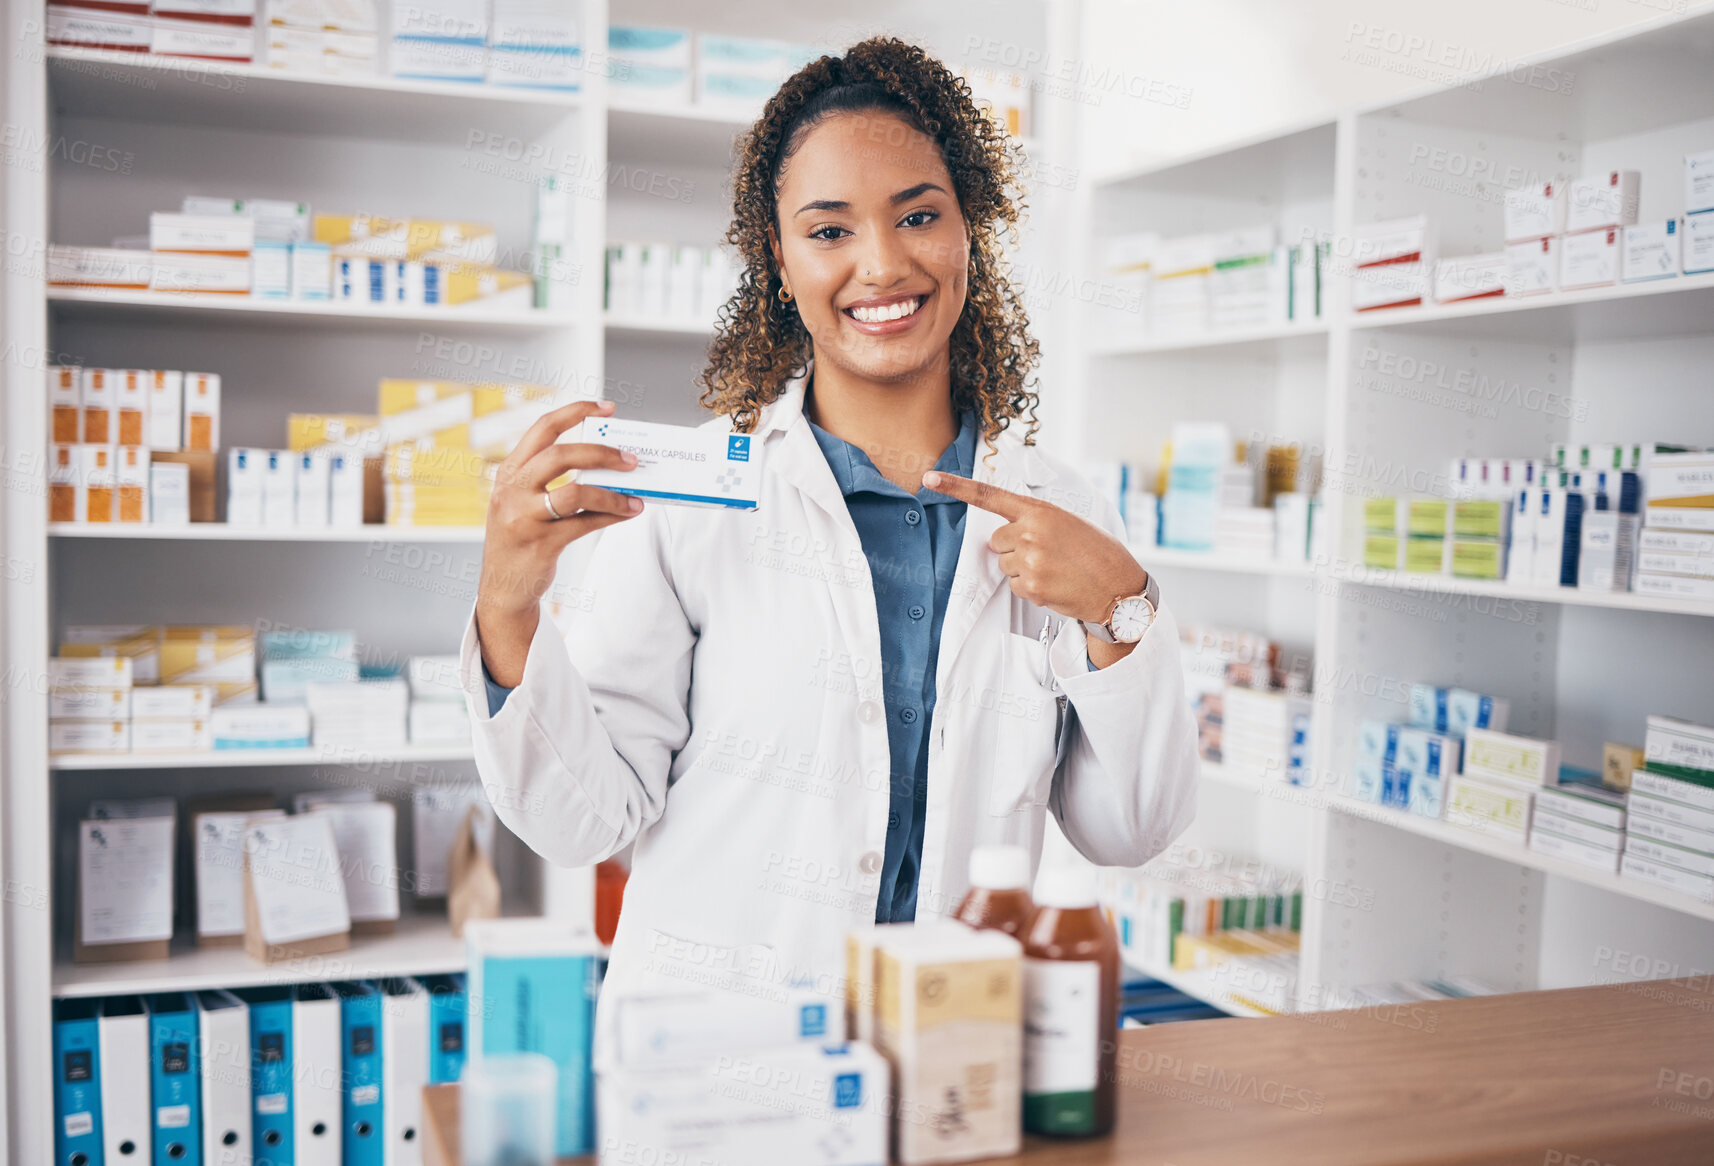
{"x": 872, "y": 245}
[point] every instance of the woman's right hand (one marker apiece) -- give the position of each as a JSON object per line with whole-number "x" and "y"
{"x": 523, "y": 542}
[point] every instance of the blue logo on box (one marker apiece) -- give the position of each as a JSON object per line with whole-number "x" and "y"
{"x": 848, "y": 1091}
{"x": 738, "y": 448}
{"x": 812, "y": 1019}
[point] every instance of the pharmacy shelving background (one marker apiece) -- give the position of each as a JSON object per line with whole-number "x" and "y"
{"x": 441, "y": 150}
{"x": 1391, "y": 896}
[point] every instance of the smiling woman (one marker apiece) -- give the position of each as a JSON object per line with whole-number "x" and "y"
{"x": 807, "y": 716}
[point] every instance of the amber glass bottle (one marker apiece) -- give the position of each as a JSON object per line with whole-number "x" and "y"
{"x": 1071, "y": 1009}
{"x": 999, "y": 895}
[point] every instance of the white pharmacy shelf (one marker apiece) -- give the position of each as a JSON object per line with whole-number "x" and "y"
{"x": 1522, "y": 855}
{"x": 1198, "y": 986}
{"x": 657, "y": 326}
{"x": 1661, "y": 307}
{"x": 1437, "y": 586}
{"x": 422, "y": 945}
{"x": 224, "y": 532}
{"x": 345, "y": 755}
{"x": 1170, "y": 557}
{"x": 1213, "y": 338}
{"x": 178, "y": 90}
{"x": 103, "y": 302}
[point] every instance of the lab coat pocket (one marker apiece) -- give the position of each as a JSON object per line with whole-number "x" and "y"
{"x": 1021, "y": 715}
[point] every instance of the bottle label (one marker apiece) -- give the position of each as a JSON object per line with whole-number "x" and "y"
{"x": 1062, "y": 1045}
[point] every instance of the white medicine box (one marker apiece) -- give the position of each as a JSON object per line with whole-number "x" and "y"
{"x": 279, "y": 487}
{"x": 1589, "y": 260}
{"x": 1532, "y": 267}
{"x": 1699, "y": 243}
{"x": 1602, "y": 200}
{"x": 1699, "y": 182}
{"x": 1535, "y": 212}
{"x": 1652, "y": 251}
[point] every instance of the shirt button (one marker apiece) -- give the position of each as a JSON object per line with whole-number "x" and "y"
{"x": 908, "y": 716}
{"x": 868, "y": 712}
{"x": 870, "y": 863}
{"x": 916, "y": 611}
{"x": 913, "y": 516}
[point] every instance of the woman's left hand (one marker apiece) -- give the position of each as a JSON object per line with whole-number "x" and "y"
{"x": 1053, "y": 558}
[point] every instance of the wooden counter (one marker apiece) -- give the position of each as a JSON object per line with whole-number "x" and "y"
{"x": 1611, "y": 1076}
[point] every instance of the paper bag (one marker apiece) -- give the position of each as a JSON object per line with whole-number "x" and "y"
{"x": 294, "y": 893}
{"x": 474, "y": 892}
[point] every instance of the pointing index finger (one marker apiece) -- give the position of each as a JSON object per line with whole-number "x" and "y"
{"x": 1006, "y": 504}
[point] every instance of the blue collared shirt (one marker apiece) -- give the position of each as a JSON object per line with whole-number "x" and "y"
{"x": 911, "y": 541}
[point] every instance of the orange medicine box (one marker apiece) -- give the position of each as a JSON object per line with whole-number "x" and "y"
{"x": 130, "y": 404}
{"x": 65, "y": 399}
{"x": 98, "y": 397}
{"x": 131, "y": 484}
{"x": 201, "y": 410}
{"x": 63, "y": 467}
{"x": 97, "y": 482}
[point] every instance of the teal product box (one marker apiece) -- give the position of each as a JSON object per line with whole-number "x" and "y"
{"x": 1377, "y": 753}
{"x": 1428, "y": 707}
{"x": 1427, "y": 762}
{"x": 1466, "y": 710}
{"x": 532, "y": 987}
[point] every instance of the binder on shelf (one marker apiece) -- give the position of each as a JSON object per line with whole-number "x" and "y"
{"x": 223, "y": 1046}
{"x": 361, "y": 1058}
{"x": 175, "y": 1098}
{"x": 77, "y": 1083}
{"x": 124, "y": 1055}
{"x": 447, "y": 1013}
{"x": 405, "y": 1069}
{"x": 271, "y": 1023}
{"x": 317, "y": 1097}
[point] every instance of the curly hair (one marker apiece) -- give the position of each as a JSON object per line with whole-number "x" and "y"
{"x": 761, "y": 343}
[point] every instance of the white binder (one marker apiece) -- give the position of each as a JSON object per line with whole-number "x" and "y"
{"x": 405, "y": 1049}
{"x": 126, "y": 1133}
{"x": 223, "y": 1029}
{"x": 316, "y": 1076}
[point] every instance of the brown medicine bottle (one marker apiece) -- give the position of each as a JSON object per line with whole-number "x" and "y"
{"x": 1071, "y": 1009}
{"x": 999, "y": 895}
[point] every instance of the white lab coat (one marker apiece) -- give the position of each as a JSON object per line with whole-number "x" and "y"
{"x": 717, "y": 700}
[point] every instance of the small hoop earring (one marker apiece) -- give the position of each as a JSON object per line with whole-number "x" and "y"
{"x": 785, "y": 296}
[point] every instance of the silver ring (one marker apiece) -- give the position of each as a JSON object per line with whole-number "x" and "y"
{"x": 553, "y": 515}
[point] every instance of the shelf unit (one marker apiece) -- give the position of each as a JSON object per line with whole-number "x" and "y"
{"x": 1507, "y": 377}
{"x": 394, "y": 147}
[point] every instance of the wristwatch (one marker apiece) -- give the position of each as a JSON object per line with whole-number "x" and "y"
{"x": 1129, "y": 617}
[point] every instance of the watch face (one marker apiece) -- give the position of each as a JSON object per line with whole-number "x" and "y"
{"x": 1131, "y": 618}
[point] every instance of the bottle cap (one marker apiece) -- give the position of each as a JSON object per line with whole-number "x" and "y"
{"x": 1000, "y": 868}
{"x": 1066, "y": 887}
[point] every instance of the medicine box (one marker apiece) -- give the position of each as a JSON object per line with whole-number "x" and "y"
{"x": 1652, "y": 251}
{"x": 130, "y": 404}
{"x": 1466, "y": 710}
{"x": 949, "y": 1020}
{"x": 204, "y": 273}
{"x": 703, "y": 465}
{"x": 650, "y": 65}
{"x": 1680, "y": 744}
{"x": 780, "y": 1105}
{"x": 279, "y": 488}
{"x": 96, "y": 485}
{"x": 1470, "y": 277}
{"x": 254, "y": 725}
{"x": 99, "y": 395}
{"x": 89, "y": 704}
{"x": 532, "y": 990}
{"x": 89, "y": 736}
{"x": 1602, "y": 200}
{"x": 203, "y": 234}
{"x": 130, "y": 484}
{"x": 312, "y": 489}
{"x": 169, "y": 702}
{"x": 1497, "y": 756}
{"x": 113, "y": 267}
{"x": 164, "y": 421}
{"x": 203, "y": 39}
{"x": 311, "y": 271}
{"x": 1699, "y": 243}
{"x": 245, "y": 470}
{"x": 1589, "y": 260}
{"x": 182, "y": 735}
{"x": 98, "y": 29}
{"x": 1535, "y": 212}
{"x": 271, "y": 270}
{"x": 1532, "y": 267}
{"x": 169, "y": 493}
{"x": 1499, "y": 808}
{"x": 90, "y": 671}
{"x": 1699, "y": 182}
{"x": 201, "y": 410}
{"x": 667, "y": 1029}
